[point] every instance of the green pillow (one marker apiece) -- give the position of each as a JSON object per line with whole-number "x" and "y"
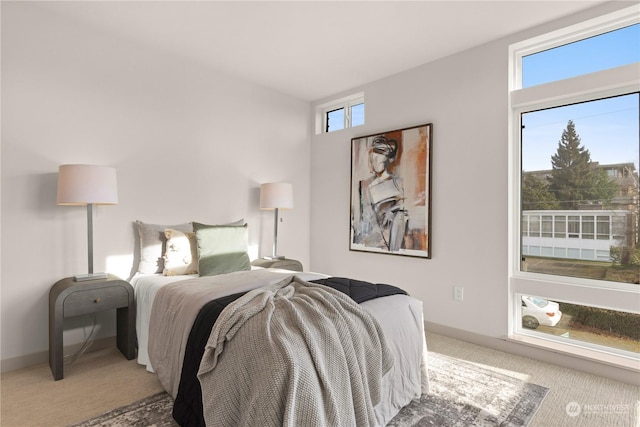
{"x": 221, "y": 248}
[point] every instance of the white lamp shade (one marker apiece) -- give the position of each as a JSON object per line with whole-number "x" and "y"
{"x": 276, "y": 195}
{"x": 84, "y": 184}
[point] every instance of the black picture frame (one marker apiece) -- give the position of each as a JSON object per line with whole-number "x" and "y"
{"x": 391, "y": 192}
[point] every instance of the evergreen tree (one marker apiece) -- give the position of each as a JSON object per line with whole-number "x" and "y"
{"x": 574, "y": 178}
{"x": 536, "y": 194}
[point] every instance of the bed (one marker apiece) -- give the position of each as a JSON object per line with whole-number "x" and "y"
{"x": 169, "y": 306}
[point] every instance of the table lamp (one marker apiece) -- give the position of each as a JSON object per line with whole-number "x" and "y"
{"x": 276, "y": 195}
{"x": 80, "y": 185}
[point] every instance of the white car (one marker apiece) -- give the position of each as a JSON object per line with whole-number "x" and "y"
{"x": 539, "y": 311}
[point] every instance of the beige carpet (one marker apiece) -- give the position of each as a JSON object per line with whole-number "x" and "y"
{"x": 105, "y": 380}
{"x": 94, "y": 384}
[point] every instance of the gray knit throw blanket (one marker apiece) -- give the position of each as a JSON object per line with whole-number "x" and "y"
{"x": 293, "y": 354}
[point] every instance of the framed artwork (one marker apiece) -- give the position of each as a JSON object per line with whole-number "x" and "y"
{"x": 391, "y": 192}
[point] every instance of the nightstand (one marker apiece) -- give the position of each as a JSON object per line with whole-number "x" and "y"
{"x": 286, "y": 263}
{"x": 68, "y": 298}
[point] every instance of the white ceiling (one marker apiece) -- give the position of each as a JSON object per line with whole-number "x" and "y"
{"x": 314, "y": 49}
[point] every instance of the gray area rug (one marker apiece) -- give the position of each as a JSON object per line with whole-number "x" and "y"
{"x": 462, "y": 394}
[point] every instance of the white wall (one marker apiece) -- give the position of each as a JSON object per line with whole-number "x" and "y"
{"x": 465, "y": 97}
{"x": 188, "y": 144}
{"x": 469, "y": 116}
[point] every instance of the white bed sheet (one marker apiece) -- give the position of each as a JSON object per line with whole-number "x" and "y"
{"x": 145, "y": 287}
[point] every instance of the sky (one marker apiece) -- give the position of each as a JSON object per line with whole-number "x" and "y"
{"x": 608, "y": 128}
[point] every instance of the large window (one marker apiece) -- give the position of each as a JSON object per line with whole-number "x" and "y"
{"x": 574, "y": 189}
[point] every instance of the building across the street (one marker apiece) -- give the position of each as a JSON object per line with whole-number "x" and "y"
{"x": 589, "y": 232}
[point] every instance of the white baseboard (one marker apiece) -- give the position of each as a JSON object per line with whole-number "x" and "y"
{"x": 21, "y": 362}
{"x": 584, "y": 364}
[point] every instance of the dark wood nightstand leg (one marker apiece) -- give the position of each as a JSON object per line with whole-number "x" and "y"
{"x": 56, "y": 358}
{"x": 126, "y": 338}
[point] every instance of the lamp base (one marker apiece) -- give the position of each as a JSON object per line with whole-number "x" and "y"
{"x": 90, "y": 276}
{"x": 275, "y": 257}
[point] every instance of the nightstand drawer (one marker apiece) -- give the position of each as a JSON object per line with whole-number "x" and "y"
{"x": 95, "y": 300}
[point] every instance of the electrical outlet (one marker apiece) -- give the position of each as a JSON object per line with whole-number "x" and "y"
{"x": 458, "y": 293}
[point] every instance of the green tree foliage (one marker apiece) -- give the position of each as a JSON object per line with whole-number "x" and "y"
{"x": 574, "y": 178}
{"x": 536, "y": 194}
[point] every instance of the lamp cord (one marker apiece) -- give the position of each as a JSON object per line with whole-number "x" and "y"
{"x": 70, "y": 358}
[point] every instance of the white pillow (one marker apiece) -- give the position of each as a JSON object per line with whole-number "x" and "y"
{"x": 181, "y": 254}
{"x": 153, "y": 244}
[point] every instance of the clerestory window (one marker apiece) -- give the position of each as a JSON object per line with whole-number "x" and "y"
{"x": 342, "y": 113}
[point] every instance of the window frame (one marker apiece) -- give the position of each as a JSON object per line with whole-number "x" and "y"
{"x": 590, "y": 28}
{"x": 330, "y": 110}
{"x": 569, "y": 342}
{"x": 589, "y": 87}
{"x": 345, "y": 103}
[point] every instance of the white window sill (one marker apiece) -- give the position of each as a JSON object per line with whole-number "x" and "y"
{"x": 610, "y": 359}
